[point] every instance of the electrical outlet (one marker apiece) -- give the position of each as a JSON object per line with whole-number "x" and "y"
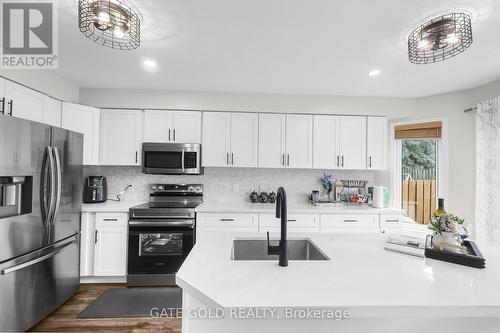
{"x": 236, "y": 187}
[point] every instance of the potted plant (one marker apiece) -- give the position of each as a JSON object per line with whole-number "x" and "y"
{"x": 447, "y": 229}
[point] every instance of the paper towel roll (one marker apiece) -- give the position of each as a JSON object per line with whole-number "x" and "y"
{"x": 378, "y": 196}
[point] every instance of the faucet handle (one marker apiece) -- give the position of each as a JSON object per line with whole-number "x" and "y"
{"x": 272, "y": 250}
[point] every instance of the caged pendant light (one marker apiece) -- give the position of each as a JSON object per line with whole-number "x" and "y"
{"x": 440, "y": 38}
{"x": 111, "y": 23}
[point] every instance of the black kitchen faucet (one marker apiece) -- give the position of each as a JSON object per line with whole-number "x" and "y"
{"x": 282, "y": 248}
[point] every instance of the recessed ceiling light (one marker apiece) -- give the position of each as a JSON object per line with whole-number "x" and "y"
{"x": 374, "y": 72}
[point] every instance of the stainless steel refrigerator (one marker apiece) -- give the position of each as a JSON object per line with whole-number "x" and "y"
{"x": 40, "y": 207}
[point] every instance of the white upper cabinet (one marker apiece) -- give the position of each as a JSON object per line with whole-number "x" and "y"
{"x": 86, "y": 120}
{"x": 376, "y": 143}
{"x": 216, "y": 138}
{"x": 172, "y": 126}
{"x": 121, "y": 137}
{"x": 157, "y": 126}
{"x": 272, "y": 132}
{"x": 352, "y": 142}
{"x": 22, "y": 102}
{"x": 299, "y": 139}
{"x": 52, "y": 109}
{"x": 186, "y": 126}
{"x": 244, "y": 136}
{"x": 326, "y": 142}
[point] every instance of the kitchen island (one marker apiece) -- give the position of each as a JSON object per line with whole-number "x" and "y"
{"x": 364, "y": 287}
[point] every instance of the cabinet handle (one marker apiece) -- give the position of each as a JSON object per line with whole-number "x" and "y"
{"x": 291, "y": 220}
{"x": 227, "y": 158}
{"x": 174, "y": 134}
{"x": 232, "y": 158}
{"x": 11, "y": 103}
{"x": 288, "y": 159}
{"x": 95, "y": 237}
{"x": 136, "y": 156}
{"x": 342, "y": 160}
{"x": 370, "y": 159}
{"x": 110, "y": 220}
{"x": 227, "y": 220}
{"x": 338, "y": 160}
{"x": 3, "y": 105}
{"x": 283, "y": 159}
{"x": 392, "y": 220}
{"x": 169, "y": 134}
{"x": 350, "y": 220}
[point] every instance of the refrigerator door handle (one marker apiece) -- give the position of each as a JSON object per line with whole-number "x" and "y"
{"x": 36, "y": 260}
{"x": 52, "y": 172}
{"x": 58, "y": 186}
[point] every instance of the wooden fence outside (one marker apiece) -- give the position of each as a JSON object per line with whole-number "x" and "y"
{"x": 419, "y": 199}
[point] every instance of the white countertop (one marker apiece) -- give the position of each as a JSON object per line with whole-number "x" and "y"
{"x": 110, "y": 206}
{"x": 293, "y": 208}
{"x": 360, "y": 274}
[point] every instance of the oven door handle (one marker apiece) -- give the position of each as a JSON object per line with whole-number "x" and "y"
{"x": 161, "y": 224}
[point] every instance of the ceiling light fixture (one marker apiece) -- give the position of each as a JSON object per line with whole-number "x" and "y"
{"x": 111, "y": 23}
{"x": 374, "y": 72}
{"x": 150, "y": 63}
{"x": 441, "y": 38}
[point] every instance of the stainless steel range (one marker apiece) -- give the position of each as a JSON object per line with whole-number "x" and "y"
{"x": 161, "y": 233}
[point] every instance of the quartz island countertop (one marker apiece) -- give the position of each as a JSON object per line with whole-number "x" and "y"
{"x": 360, "y": 274}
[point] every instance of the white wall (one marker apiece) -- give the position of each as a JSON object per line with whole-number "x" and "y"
{"x": 461, "y": 173}
{"x": 45, "y": 81}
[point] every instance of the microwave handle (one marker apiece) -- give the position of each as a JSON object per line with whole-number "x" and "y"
{"x": 182, "y": 158}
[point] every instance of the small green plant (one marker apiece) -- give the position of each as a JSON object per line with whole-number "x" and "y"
{"x": 448, "y": 223}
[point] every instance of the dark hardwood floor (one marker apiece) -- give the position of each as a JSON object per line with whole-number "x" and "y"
{"x": 64, "y": 319}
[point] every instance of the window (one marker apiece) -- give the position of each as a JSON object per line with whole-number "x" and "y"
{"x": 417, "y": 156}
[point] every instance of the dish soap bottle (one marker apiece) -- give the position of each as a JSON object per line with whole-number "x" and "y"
{"x": 440, "y": 210}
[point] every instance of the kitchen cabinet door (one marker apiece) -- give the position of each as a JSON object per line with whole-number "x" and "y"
{"x": 299, "y": 138}
{"x": 87, "y": 239}
{"x": 376, "y": 143}
{"x": 110, "y": 253}
{"x": 121, "y": 137}
{"x": 272, "y": 132}
{"x": 216, "y": 139}
{"x": 157, "y": 126}
{"x": 22, "y": 102}
{"x": 86, "y": 120}
{"x": 244, "y": 138}
{"x": 186, "y": 127}
{"x": 352, "y": 142}
{"x": 52, "y": 109}
{"x": 326, "y": 142}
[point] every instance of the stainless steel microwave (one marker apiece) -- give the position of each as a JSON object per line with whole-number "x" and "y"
{"x": 171, "y": 158}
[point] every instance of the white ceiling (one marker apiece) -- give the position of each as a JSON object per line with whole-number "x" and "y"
{"x": 283, "y": 46}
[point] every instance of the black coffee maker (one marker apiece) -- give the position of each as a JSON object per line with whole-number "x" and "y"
{"x": 95, "y": 189}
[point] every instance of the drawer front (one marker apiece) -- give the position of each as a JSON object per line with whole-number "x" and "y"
{"x": 227, "y": 220}
{"x": 347, "y": 221}
{"x": 350, "y": 230}
{"x": 291, "y": 229}
{"x": 390, "y": 220}
{"x": 294, "y": 220}
{"x": 111, "y": 219}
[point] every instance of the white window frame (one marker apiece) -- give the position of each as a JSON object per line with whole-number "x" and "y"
{"x": 442, "y": 161}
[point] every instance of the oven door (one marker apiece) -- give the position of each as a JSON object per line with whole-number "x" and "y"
{"x": 171, "y": 158}
{"x": 157, "y": 249}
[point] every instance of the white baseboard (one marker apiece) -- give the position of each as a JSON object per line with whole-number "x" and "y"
{"x": 103, "y": 279}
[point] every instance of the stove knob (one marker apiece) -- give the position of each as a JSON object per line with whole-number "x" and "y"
{"x": 160, "y": 187}
{"x": 190, "y": 189}
{"x": 154, "y": 187}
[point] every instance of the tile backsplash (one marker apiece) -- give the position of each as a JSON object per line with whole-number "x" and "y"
{"x": 224, "y": 184}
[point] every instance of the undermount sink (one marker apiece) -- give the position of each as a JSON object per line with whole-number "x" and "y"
{"x": 256, "y": 249}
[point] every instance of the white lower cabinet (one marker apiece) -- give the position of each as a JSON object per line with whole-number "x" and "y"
{"x": 104, "y": 244}
{"x": 350, "y": 223}
{"x": 296, "y": 223}
{"x": 390, "y": 224}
